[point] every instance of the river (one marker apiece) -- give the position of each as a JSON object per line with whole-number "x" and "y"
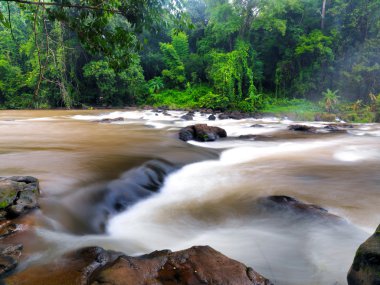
{"x": 211, "y": 199}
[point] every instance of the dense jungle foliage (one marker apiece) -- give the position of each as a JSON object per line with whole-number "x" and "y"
{"x": 247, "y": 55}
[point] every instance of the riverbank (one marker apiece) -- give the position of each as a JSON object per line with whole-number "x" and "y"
{"x": 294, "y": 109}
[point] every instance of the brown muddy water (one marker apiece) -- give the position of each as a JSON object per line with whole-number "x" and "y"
{"x": 210, "y": 198}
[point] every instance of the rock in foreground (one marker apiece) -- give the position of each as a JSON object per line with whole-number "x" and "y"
{"x": 202, "y": 132}
{"x": 365, "y": 269}
{"x": 95, "y": 266}
{"x": 18, "y": 195}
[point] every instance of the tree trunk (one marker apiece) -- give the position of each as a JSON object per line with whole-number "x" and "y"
{"x": 323, "y": 14}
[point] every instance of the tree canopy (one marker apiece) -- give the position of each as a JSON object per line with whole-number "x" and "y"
{"x": 233, "y": 54}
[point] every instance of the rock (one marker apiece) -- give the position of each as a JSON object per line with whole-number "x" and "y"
{"x": 110, "y": 120}
{"x": 95, "y": 266}
{"x": 302, "y": 128}
{"x": 282, "y": 204}
{"x": 334, "y": 129}
{"x": 257, "y": 126}
{"x": 18, "y": 195}
{"x": 165, "y": 113}
{"x": 211, "y": 118}
{"x": 365, "y": 269}
{"x": 75, "y": 268}
{"x": 188, "y": 116}
{"x": 8, "y": 228}
{"x": 201, "y": 132}
{"x": 237, "y": 115}
{"x": 133, "y": 186}
{"x": 223, "y": 117}
{"x": 9, "y": 257}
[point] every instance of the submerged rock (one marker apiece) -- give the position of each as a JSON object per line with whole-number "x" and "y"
{"x": 95, "y": 266}
{"x": 18, "y": 195}
{"x": 110, "y": 120}
{"x": 9, "y": 257}
{"x": 365, "y": 269}
{"x": 282, "y": 204}
{"x": 202, "y": 132}
{"x": 133, "y": 186}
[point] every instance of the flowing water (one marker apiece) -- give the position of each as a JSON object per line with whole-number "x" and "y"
{"x": 212, "y": 196}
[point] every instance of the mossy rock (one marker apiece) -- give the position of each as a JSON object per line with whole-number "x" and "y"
{"x": 365, "y": 269}
{"x": 18, "y": 194}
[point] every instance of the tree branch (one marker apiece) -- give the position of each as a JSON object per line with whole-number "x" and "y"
{"x": 76, "y": 6}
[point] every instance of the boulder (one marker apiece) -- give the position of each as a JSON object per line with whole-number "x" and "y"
{"x": 211, "y": 118}
{"x": 365, "y": 269}
{"x": 302, "y": 128}
{"x": 188, "y": 117}
{"x": 223, "y": 117}
{"x": 18, "y": 195}
{"x": 257, "y": 126}
{"x": 95, "y": 266}
{"x": 237, "y": 115}
{"x": 202, "y": 132}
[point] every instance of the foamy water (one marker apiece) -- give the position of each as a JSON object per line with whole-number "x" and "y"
{"x": 212, "y": 199}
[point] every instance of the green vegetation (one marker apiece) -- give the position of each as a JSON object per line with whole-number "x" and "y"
{"x": 281, "y": 57}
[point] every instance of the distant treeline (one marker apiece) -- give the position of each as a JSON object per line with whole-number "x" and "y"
{"x": 213, "y": 53}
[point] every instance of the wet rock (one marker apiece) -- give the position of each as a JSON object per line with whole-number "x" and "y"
{"x": 165, "y": 113}
{"x": 75, "y": 268}
{"x": 9, "y": 257}
{"x": 223, "y": 117}
{"x": 211, "y": 118}
{"x": 188, "y": 117}
{"x": 365, "y": 269}
{"x": 237, "y": 115}
{"x": 197, "y": 265}
{"x": 234, "y": 115}
{"x": 8, "y": 228}
{"x": 110, "y": 120}
{"x": 95, "y": 266}
{"x": 257, "y": 126}
{"x": 202, "y": 132}
{"x": 282, "y": 204}
{"x": 133, "y": 186}
{"x": 302, "y": 128}
{"x": 334, "y": 129}
{"x": 18, "y": 195}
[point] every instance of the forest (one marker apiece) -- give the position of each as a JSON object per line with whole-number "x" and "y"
{"x": 246, "y": 55}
